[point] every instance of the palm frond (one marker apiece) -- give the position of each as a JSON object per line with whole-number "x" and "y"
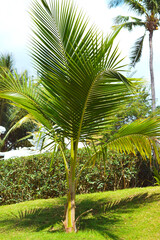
{"x": 115, "y": 3}
{"x": 79, "y": 54}
{"x": 18, "y": 124}
{"x": 152, "y": 6}
{"x": 135, "y": 5}
{"x": 128, "y": 22}
{"x": 137, "y": 50}
{"x": 121, "y": 19}
{"x": 25, "y": 95}
{"x": 107, "y": 94}
{"x": 141, "y": 135}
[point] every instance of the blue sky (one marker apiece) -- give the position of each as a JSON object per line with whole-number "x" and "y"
{"x": 15, "y": 34}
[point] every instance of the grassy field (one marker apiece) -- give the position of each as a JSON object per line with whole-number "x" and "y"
{"x": 124, "y": 214}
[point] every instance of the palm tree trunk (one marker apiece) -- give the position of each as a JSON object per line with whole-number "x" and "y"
{"x": 151, "y": 71}
{"x": 70, "y": 223}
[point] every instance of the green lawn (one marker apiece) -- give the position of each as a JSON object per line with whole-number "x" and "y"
{"x": 125, "y": 214}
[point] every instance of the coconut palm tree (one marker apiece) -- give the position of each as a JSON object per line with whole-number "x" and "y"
{"x": 81, "y": 88}
{"x": 149, "y": 11}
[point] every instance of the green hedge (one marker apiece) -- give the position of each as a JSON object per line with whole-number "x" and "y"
{"x": 30, "y": 177}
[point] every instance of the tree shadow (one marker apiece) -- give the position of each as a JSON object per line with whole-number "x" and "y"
{"x": 37, "y": 218}
{"x": 102, "y": 218}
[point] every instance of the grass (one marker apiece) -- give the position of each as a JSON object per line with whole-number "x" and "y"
{"x": 129, "y": 214}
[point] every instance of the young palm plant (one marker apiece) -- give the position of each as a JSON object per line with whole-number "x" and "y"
{"x": 149, "y": 11}
{"x": 81, "y": 88}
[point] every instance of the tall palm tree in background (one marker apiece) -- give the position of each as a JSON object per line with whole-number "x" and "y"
{"x": 149, "y": 10}
{"x": 81, "y": 89}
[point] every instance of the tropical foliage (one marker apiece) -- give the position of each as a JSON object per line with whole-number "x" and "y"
{"x": 81, "y": 87}
{"x": 149, "y": 12}
{"x": 6, "y": 140}
{"x": 30, "y": 178}
{"x": 156, "y": 176}
{"x": 15, "y": 120}
{"x": 139, "y": 106}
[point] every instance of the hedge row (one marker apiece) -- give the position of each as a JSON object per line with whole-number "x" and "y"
{"x": 29, "y": 178}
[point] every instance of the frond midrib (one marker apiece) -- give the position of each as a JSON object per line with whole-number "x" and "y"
{"x": 86, "y": 101}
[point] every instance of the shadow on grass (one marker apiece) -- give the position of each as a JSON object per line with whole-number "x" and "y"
{"x": 102, "y": 218}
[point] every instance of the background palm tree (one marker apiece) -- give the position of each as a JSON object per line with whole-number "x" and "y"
{"x": 7, "y": 62}
{"x": 149, "y": 10}
{"x": 81, "y": 88}
{"x": 6, "y": 142}
{"x": 10, "y": 115}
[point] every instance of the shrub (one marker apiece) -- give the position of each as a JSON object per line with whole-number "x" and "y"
{"x": 31, "y": 177}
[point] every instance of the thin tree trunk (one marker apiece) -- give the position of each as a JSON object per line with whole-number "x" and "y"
{"x": 69, "y": 223}
{"x": 151, "y": 71}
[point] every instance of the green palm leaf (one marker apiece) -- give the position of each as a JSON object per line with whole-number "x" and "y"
{"x": 137, "y": 50}
{"x": 128, "y": 22}
{"x": 18, "y": 124}
{"x": 72, "y": 59}
{"x": 133, "y": 4}
{"x": 141, "y": 135}
{"x": 25, "y": 95}
{"x": 152, "y": 5}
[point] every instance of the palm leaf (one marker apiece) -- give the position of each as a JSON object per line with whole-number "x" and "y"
{"x": 18, "y": 124}
{"x": 25, "y": 95}
{"x": 71, "y": 59}
{"x": 152, "y": 5}
{"x": 121, "y": 19}
{"x": 128, "y": 22}
{"x": 115, "y": 3}
{"x": 137, "y": 50}
{"x": 135, "y": 5}
{"x": 140, "y": 135}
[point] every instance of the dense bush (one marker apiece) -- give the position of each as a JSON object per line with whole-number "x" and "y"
{"x": 31, "y": 177}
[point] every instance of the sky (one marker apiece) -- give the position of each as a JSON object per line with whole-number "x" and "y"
{"x": 15, "y": 34}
